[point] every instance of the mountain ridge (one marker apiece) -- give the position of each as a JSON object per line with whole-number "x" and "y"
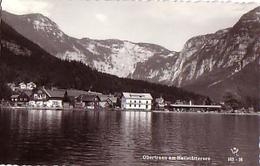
{"x": 22, "y": 60}
{"x": 103, "y": 55}
{"x": 205, "y": 61}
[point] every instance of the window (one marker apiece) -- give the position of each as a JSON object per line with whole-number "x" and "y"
{"x": 146, "y": 106}
{"x": 139, "y": 105}
{"x": 130, "y": 105}
{"x": 135, "y": 105}
{"x": 147, "y": 102}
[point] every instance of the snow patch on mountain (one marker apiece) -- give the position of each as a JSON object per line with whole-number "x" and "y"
{"x": 123, "y": 60}
{"x": 75, "y": 55}
{"x": 42, "y": 24}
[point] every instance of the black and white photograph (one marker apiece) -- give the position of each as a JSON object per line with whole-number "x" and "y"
{"x": 130, "y": 83}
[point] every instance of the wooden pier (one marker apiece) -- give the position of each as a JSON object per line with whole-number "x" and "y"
{"x": 187, "y": 106}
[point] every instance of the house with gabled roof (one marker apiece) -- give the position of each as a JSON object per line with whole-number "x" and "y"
{"x": 20, "y": 99}
{"x": 107, "y": 101}
{"x": 89, "y": 101}
{"x": 38, "y": 98}
{"x": 63, "y": 98}
{"x": 55, "y": 98}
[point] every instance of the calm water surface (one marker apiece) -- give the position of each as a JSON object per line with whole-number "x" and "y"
{"x": 125, "y": 138}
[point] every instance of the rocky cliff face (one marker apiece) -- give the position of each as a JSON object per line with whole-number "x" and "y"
{"x": 111, "y": 56}
{"x": 208, "y": 64}
{"x": 205, "y": 64}
{"x": 223, "y": 53}
{"x": 121, "y": 57}
{"x": 23, "y": 60}
{"x": 227, "y": 61}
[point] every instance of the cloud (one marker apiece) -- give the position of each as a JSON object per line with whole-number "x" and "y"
{"x": 161, "y": 22}
{"x": 101, "y": 17}
{"x": 27, "y": 6}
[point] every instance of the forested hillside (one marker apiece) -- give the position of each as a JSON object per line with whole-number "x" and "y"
{"x": 22, "y": 60}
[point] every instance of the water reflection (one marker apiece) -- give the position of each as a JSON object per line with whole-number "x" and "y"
{"x": 122, "y": 138}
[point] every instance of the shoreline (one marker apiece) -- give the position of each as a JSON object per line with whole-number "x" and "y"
{"x": 217, "y": 113}
{"x": 103, "y": 109}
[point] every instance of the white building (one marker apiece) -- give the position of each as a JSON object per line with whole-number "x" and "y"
{"x": 47, "y": 98}
{"x": 22, "y": 85}
{"x": 136, "y": 101}
{"x": 160, "y": 103}
{"x": 30, "y": 85}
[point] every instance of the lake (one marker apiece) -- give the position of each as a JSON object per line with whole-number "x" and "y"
{"x": 127, "y": 138}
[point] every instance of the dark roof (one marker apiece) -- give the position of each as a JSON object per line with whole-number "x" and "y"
{"x": 59, "y": 93}
{"x": 55, "y": 93}
{"x": 75, "y": 92}
{"x": 88, "y": 98}
{"x": 108, "y": 97}
{"x": 21, "y": 95}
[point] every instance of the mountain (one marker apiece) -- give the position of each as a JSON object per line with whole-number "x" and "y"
{"x": 211, "y": 64}
{"x": 226, "y": 52}
{"x": 111, "y": 56}
{"x": 23, "y": 60}
{"x": 227, "y": 61}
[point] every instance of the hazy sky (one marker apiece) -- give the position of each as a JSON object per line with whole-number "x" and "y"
{"x": 169, "y": 24}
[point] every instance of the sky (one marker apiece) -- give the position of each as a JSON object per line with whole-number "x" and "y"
{"x": 167, "y": 23}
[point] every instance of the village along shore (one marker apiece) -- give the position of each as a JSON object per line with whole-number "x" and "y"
{"x": 30, "y": 97}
